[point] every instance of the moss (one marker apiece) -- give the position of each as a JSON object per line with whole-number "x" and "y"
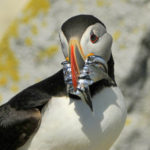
{"x": 135, "y": 30}
{"x": 26, "y": 76}
{"x": 122, "y": 46}
{"x": 69, "y": 1}
{"x": 38, "y": 80}
{"x": 14, "y": 88}
{"x": 128, "y": 122}
{"x": 33, "y": 8}
{"x": 3, "y": 81}
{"x": 13, "y": 29}
{"x": 28, "y": 41}
{"x": 34, "y": 29}
{"x": 44, "y": 24}
{"x": 8, "y": 62}
{"x": 48, "y": 52}
{"x": 100, "y": 3}
{"x": 116, "y": 35}
{"x": 1, "y": 97}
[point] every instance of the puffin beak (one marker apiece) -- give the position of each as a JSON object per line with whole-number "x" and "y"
{"x": 77, "y": 60}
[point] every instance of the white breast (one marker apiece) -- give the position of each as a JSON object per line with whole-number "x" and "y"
{"x": 70, "y": 125}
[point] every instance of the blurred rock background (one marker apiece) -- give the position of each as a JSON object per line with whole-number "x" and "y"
{"x": 30, "y": 52}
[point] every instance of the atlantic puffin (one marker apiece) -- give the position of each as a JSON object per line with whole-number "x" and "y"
{"x": 78, "y": 108}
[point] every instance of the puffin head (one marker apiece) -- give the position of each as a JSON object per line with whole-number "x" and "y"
{"x": 83, "y": 36}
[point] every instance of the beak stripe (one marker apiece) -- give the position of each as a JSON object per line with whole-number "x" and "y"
{"x": 81, "y": 52}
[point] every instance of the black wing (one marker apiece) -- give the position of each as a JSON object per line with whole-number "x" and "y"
{"x": 17, "y": 126}
{"x": 21, "y": 116}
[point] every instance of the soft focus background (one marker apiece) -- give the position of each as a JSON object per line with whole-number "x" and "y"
{"x": 30, "y": 52}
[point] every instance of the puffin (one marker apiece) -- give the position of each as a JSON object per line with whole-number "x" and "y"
{"x": 78, "y": 108}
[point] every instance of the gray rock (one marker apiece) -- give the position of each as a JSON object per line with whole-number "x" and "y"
{"x": 31, "y": 46}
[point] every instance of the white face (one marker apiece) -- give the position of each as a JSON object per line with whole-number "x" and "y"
{"x": 95, "y": 40}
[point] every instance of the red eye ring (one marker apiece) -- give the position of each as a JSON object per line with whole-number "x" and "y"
{"x": 94, "y": 38}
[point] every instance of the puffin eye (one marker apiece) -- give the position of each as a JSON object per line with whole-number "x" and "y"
{"x": 94, "y": 38}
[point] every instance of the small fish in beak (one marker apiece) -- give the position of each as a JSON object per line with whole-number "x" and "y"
{"x": 73, "y": 73}
{"x": 76, "y": 59}
{"x": 80, "y": 72}
{"x": 94, "y": 69}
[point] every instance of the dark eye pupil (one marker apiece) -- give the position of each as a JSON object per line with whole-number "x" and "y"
{"x": 94, "y": 38}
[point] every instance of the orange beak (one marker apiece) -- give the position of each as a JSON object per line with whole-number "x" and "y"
{"x": 76, "y": 58}
{"x": 74, "y": 68}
